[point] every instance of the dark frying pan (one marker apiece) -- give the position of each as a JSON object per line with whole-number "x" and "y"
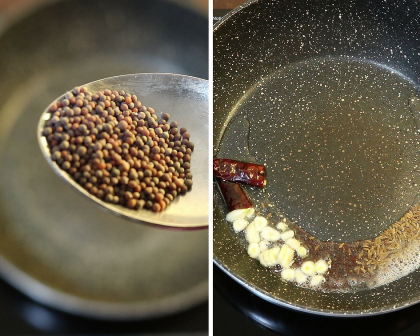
{"x": 54, "y": 246}
{"x": 324, "y": 93}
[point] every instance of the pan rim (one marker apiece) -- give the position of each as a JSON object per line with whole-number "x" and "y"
{"x": 233, "y": 12}
{"x": 72, "y": 304}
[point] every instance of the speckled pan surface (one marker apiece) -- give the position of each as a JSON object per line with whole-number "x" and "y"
{"x": 56, "y": 246}
{"x": 319, "y": 92}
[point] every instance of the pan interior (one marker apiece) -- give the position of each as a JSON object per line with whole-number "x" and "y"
{"x": 88, "y": 261}
{"x": 340, "y": 141}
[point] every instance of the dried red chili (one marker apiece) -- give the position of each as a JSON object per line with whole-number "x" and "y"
{"x": 233, "y": 195}
{"x": 242, "y": 172}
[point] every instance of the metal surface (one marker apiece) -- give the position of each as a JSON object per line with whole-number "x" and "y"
{"x": 186, "y": 99}
{"x": 319, "y": 92}
{"x": 54, "y": 245}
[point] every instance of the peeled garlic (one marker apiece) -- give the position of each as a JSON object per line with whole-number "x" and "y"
{"x": 250, "y": 213}
{"x": 285, "y": 257}
{"x": 251, "y": 234}
{"x": 288, "y": 274}
{"x": 270, "y": 234}
{"x": 254, "y": 250}
{"x": 321, "y": 266}
{"x": 317, "y": 280}
{"x": 260, "y": 223}
{"x": 282, "y": 226}
{"x": 260, "y": 236}
{"x": 270, "y": 256}
{"x": 308, "y": 268}
{"x": 261, "y": 258}
{"x": 238, "y": 214}
{"x": 287, "y": 235}
{"x": 301, "y": 251}
{"x": 300, "y": 277}
{"x": 293, "y": 243}
{"x": 240, "y": 224}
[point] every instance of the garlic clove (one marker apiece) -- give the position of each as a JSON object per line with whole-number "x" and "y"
{"x": 316, "y": 280}
{"x": 300, "y": 277}
{"x": 238, "y": 214}
{"x": 282, "y": 226}
{"x": 260, "y": 223}
{"x": 270, "y": 234}
{"x": 240, "y": 225}
{"x": 250, "y": 213}
{"x": 287, "y": 235}
{"x": 288, "y": 274}
{"x": 301, "y": 251}
{"x": 272, "y": 255}
{"x": 293, "y": 243}
{"x": 308, "y": 268}
{"x": 262, "y": 260}
{"x": 254, "y": 250}
{"x": 321, "y": 266}
{"x": 285, "y": 257}
{"x": 251, "y": 234}
{"x": 269, "y": 257}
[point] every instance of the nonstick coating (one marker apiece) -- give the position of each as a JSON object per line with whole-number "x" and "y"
{"x": 56, "y": 246}
{"x": 319, "y": 92}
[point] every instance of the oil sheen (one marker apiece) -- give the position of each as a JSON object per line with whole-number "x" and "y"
{"x": 340, "y": 140}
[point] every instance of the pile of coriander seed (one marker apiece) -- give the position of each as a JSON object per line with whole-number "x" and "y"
{"x": 119, "y": 150}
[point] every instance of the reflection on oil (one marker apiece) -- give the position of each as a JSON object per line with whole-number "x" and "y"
{"x": 339, "y": 143}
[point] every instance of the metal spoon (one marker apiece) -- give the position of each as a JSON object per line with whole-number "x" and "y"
{"x": 186, "y": 99}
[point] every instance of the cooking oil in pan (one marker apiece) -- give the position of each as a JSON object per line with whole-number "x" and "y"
{"x": 340, "y": 140}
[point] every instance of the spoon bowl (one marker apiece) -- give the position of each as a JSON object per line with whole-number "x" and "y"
{"x": 186, "y": 99}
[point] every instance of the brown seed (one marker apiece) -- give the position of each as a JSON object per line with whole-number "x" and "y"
{"x": 123, "y": 125}
{"x": 56, "y": 155}
{"x": 188, "y": 183}
{"x": 107, "y": 145}
{"x": 159, "y": 197}
{"x": 156, "y": 207}
{"x": 66, "y": 165}
{"x": 179, "y": 182}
